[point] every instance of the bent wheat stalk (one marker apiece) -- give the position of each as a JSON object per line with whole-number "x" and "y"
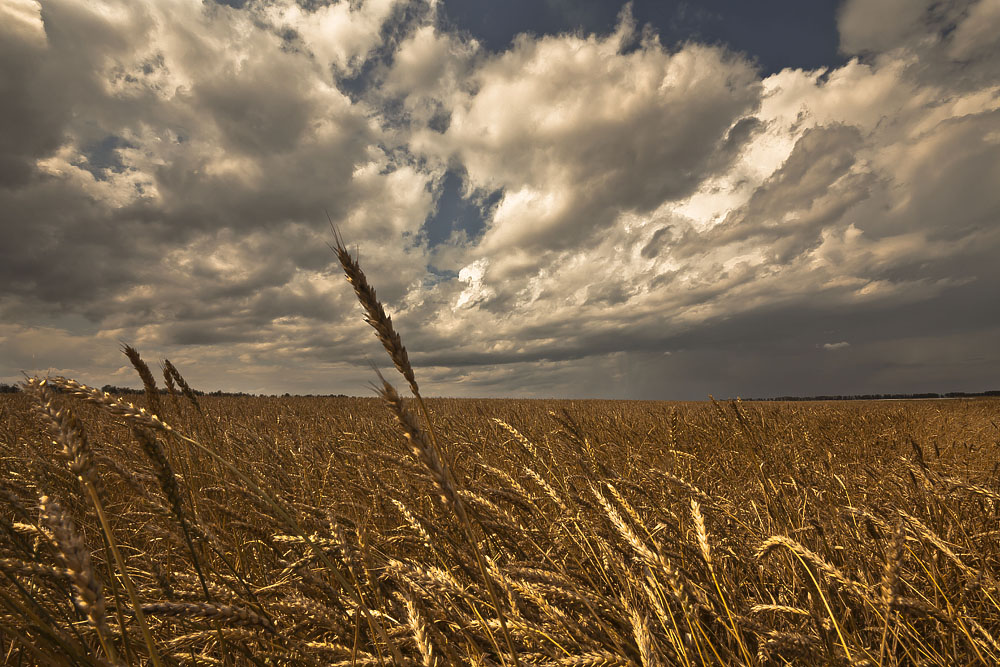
{"x": 69, "y": 432}
{"x": 76, "y": 561}
{"x": 438, "y": 466}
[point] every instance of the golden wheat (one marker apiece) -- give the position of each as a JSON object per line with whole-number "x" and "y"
{"x": 310, "y": 531}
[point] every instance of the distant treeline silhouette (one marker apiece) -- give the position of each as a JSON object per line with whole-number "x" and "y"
{"x": 126, "y": 391}
{"x": 129, "y": 391}
{"x": 881, "y": 397}
{"x": 122, "y": 391}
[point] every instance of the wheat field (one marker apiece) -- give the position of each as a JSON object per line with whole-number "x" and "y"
{"x": 192, "y": 529}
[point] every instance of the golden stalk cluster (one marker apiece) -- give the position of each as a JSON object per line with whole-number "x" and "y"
{"x": 389, "y": 530}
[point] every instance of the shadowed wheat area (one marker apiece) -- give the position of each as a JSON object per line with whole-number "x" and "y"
{"x": 304, "y": 531}
{"x": 319, "y": 531}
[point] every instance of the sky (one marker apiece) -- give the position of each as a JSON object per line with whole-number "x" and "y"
{"x": 653, "y": 200}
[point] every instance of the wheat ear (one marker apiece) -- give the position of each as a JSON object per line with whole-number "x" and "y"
{"x": 182, "y": 383}
{"x": 890, "y": 574}
{"x": 168, "y": 380}
{"x": 376, "y": 316}
{"x": 76, "y": 559}
{"x": 420, "y": 629}
{"x": 114, "y": 406}
{"x": 148, "y": 382}
{"x": 229, "y": 614}
{"x": 66, "y": 429}
{"x": 421, "y": 449}
{"x": 69, "y": 431}
{"x": 706, "y": 553}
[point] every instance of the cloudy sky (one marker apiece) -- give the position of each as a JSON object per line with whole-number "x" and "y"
{"x": 572, "y": 198}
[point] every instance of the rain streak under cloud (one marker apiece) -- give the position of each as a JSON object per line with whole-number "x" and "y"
{"x": 597, "y": 200}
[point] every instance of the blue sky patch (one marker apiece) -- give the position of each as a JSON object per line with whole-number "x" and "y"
{"x": 103, "y": 155}
{"x": 454, "y": 212}
{"x": 778, "y": 33}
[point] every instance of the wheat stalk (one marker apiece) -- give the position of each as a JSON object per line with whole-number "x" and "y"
{"x": 436, "y": 465}
{"x": 148, "y": 382}
{"x": 76, "y": 562}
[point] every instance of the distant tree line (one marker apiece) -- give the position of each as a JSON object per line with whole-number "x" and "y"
{"x": 126, "y": 391}
{"x": 877, "y": 397}
{"x": 131, "y": 391}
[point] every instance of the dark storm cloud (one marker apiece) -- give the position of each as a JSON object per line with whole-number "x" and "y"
{"x": 63, "y": 247}
{"x": 259, "y": 110}
{"x": 779, "y": 349}
{"x": 26, "y": 75}
{"x": 961, "y": 170}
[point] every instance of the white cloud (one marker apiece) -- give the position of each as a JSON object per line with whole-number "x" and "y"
{"x": 566, "y": 125}
{"x": 835, "y": 199}
{"x": 428, "y": 68}
{"x": 836, "y": 346}
{"x": 476, "y": 289}
{"x": 24, "y": 19}
{"x": 340, "y": 34}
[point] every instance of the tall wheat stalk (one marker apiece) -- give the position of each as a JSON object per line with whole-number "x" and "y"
{"x": 376, "y": 316}
{"x": 68, "y": 431}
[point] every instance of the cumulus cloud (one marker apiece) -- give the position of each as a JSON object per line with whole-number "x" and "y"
{"x": 340, "y": 35}
{"x": 476, "y": 291}
{"x": 932, "y": 40}
{"x": 165, "y": 169}
{"x": 563, "y": 125}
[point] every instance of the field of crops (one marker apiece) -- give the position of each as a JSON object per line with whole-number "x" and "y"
{"x": 314, "y": 531}
{"x": 318, "y": 531}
